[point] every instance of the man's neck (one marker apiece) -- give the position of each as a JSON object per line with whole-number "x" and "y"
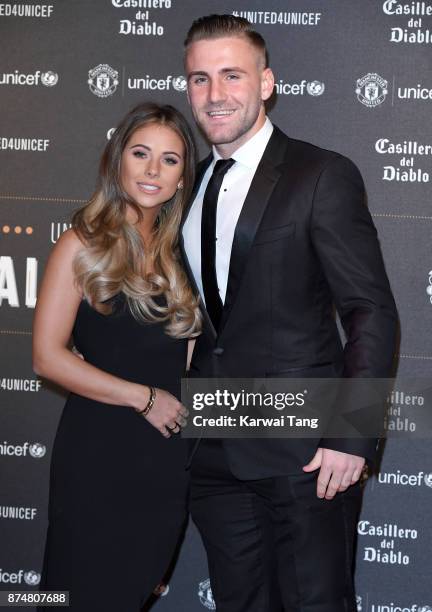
{"x": 226, "y": 150}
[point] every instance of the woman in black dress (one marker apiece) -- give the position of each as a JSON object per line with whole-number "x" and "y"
{"x": 118, "y": 485}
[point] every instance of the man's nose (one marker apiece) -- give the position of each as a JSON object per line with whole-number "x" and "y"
{"x": 216, "y": 92}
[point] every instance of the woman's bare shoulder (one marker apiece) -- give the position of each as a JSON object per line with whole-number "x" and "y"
{"x": 69, "y": 242}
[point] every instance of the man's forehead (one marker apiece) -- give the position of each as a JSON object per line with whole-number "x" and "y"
{"x": 206, "y": 52}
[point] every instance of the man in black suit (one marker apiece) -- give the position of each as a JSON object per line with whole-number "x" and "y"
{"x": 276, "y": 236}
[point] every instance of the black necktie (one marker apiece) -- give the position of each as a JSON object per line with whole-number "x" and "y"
{"x": 208, "y": 241}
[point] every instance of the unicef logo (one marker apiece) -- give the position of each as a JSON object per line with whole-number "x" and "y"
{"x": 429, "y": 287}
{"x": 428, "y": 480}
{"x": 102, "y": 80}
{"x": 371, "y": 90}
{"x": 37, "y": 450}
{"x": 425, "y": 609}
{"x": 179, "y": 83}
{"x": 49, "y": 79}
{"x": 315, "y": 88}
{"x": 359, "y": 603}
{"x": 205, "y": 595}
{"x": 32, "y": 578}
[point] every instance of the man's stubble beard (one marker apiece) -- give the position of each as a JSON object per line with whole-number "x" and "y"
{"x": 235, "y": 133}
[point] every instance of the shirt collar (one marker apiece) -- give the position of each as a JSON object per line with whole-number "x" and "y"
{"x": 250, "y": 153}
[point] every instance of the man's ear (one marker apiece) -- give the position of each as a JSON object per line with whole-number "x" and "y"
{"x": 267, "y": 83}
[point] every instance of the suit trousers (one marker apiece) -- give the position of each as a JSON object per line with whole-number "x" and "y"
{"x": 272, "y": 544}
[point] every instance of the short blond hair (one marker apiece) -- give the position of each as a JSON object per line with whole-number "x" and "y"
{"x": 220, "y": 26}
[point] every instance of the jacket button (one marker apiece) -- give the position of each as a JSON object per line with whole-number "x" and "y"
{"x": 218, "y": 350}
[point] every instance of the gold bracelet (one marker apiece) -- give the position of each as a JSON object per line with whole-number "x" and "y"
{"x": 150, "y": 402}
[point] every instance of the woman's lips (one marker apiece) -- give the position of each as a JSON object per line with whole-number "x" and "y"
{"x": 149, "y": 188}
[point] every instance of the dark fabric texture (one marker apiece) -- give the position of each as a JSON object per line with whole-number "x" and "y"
{"x": 118, "y": 488}
{"x": 272, "y": 545}
{"x": 304, "y": 247}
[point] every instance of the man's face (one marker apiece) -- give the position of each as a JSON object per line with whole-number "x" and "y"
{"x": 227, "y": 83}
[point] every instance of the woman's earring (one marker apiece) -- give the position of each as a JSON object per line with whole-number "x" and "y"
{"x": 180, "y": 185}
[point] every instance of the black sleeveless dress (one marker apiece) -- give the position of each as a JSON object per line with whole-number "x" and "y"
{"x": 118, "y": 488}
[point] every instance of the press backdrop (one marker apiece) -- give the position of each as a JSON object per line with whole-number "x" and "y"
{"x": 351, "y": 75}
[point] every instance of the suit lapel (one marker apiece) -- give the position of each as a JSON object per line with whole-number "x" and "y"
{"x": 257, "y": 199}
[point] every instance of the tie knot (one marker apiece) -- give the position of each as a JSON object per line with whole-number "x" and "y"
{"x": 222, "y": 166}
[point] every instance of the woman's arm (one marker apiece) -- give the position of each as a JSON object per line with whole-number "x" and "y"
{"x": 56, "y": 309}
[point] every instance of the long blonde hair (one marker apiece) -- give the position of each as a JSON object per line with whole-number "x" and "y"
{"x": 114, "y": 257}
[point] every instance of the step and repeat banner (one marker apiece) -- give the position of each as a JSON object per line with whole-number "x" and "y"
{"x": 353, "y": 76}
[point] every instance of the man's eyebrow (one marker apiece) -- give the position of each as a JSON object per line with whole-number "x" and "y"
{"x": 233, "y": 69}
{"x": 197, "y": 73}
{"x": 222, "y": 70}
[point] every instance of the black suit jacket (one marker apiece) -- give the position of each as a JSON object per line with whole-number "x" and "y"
{"x": 304, "y": 245}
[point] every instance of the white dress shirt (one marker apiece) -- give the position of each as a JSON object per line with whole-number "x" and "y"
{"x": 232, "y": 194}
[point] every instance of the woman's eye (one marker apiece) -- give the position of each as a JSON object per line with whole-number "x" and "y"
{"x": 139, "y": 154}
{"x": 171, "y": 161}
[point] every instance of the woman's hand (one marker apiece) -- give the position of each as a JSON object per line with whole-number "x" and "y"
{"x": 168, "y": 415}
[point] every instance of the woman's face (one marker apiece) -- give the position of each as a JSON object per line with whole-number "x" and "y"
{"x": 152, "y": 165}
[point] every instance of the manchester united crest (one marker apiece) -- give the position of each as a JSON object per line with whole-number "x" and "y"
{"x": 103, "y": 80}
{"x": 205, "y": 595}
{"x": 371, "y": 90}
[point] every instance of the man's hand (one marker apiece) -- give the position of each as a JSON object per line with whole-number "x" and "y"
{"x": 338, "y": 471}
